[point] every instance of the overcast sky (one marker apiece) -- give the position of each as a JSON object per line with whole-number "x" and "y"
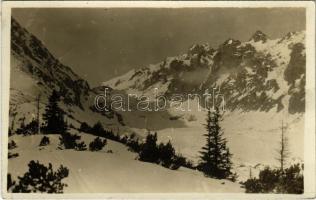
{"x": 99, "y": 44}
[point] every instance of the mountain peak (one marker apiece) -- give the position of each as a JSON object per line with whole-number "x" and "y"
{"x": 291, "y": 34}
{"x": 259, "y": 36}
{"x": 200, "y": 49}
{"x": 231, "y": 42}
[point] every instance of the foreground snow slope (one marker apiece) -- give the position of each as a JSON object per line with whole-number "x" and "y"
{"x": 111, "y": 172}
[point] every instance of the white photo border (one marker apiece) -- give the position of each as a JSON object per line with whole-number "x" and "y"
{"x": 309, "y": 133}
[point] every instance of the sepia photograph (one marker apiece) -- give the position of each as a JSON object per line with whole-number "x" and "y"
{"x": 186, "y": 98}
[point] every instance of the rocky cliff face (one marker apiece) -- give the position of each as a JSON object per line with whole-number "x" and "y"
{"x": 261, "y": 74}
{"x": 31, "y": 60}
{"x": 35, "y": 72}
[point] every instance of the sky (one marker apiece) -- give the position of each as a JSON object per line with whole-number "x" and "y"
{"x": 100, "y": 44}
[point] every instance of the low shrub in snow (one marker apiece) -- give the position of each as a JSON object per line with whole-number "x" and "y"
{"x": 174, "y": 117}
{"x": 97, "y": 144}
{"x": 84, "y": 127}
{"x": 166, "y": 154}
{"x": 44, "y": 141}
{"x": 149, "y": 151}
{"x": 81, "y": 146}
{"x": 97, "y": 129}
{"x": 28, "y": 129}
{"x": 39, "y": 178}
{"x": 163, "y": 154}
{"x": 180, "y": 160}
{"x": 12, "y": 155}
{"x": 290, "y": 180}
{"x": 124, "y": 139}
{"x": 133, "y": 143}
{"x": 12, "y": 145}
{"x": 68, "y": 140}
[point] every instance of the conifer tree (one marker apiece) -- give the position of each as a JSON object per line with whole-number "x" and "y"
{"x": 167, "y": 153}
{"x": 41, "y": 179}
{"x": 283, "y": 151}
{"x": 98, "y": 129}
{"x": 149, "y": 150}
{"x": 54, "y": 116}
{"x": 215, "y": 155}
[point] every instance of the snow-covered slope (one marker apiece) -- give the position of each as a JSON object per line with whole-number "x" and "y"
{"x": 111, "y": 172}
{"x": 35, "y": 71}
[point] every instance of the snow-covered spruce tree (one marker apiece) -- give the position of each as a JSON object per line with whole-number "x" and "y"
{"x": 149, "y": 151}
{"x": 166, "y": 154}
{"x": 54, "y": 116}
{"x": 215, "y": 155}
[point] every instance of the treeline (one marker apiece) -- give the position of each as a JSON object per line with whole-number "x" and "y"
{"x": 163, "y": 154}
{"x": 215, "y": 157}
{"x": 72, "y": 141}
{"x": 148, "y": 151}
{"x": 97, "y": 129}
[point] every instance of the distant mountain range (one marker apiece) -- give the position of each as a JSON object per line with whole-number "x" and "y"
{"x": 260, "y": 74}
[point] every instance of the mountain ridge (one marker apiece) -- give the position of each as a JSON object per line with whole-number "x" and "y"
{"x": 33, "y": 58}
{"x": 35, "y": 73}
{"x": 266, "y": 65}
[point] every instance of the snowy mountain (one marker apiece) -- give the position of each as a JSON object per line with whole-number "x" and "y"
{"x": 260, "y": 74}
{"x": 36, "y": 72}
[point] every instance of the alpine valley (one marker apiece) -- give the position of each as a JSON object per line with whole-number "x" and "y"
{"x": 262, "y": 81}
